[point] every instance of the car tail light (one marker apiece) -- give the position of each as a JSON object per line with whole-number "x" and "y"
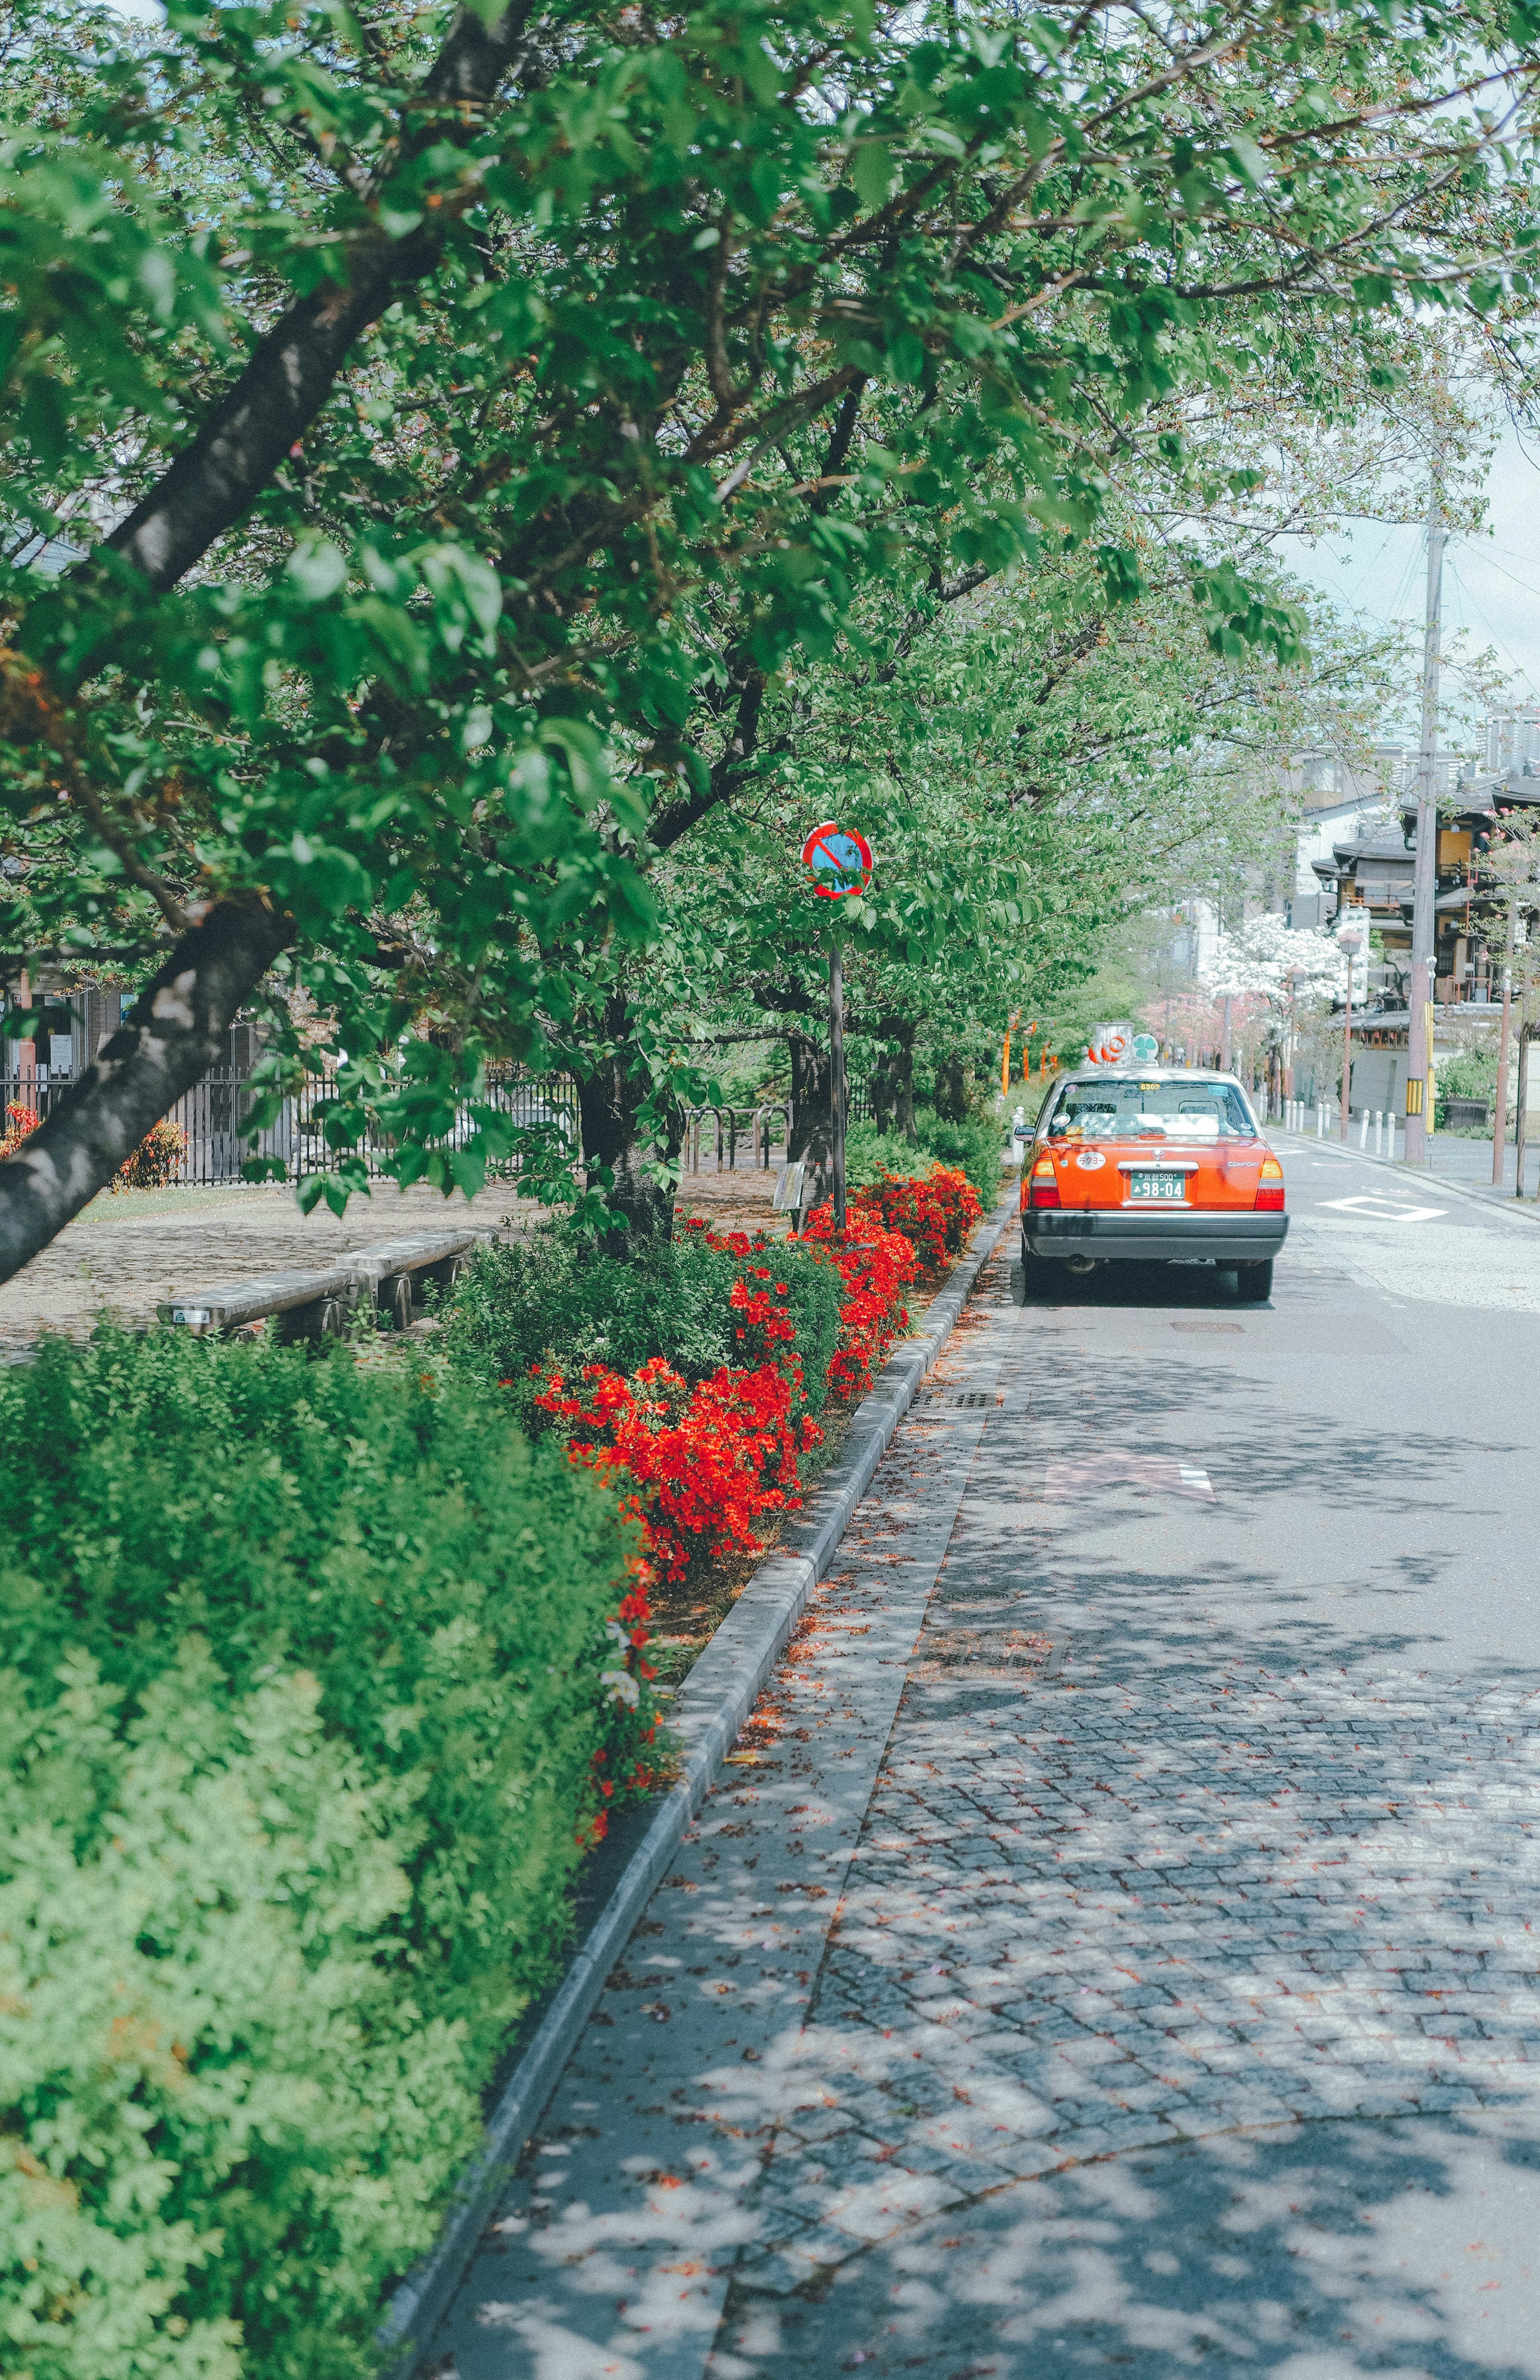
{"x": 1043, "y": 1190}
{"x": 1269, "y": 1189}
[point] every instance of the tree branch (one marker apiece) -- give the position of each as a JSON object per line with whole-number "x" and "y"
{"x": 679, "y": 817}
{"x": 212, "y": 482}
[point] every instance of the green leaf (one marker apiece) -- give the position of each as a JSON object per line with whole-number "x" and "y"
{"x": 875, "y": 173}
{"x": 317, "y": 569}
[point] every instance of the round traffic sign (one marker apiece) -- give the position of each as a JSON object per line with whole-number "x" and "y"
{"x": 840, "y": 860}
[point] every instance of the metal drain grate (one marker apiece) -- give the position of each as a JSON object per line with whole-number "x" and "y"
{"x": 976, "y": 1397}
{"x": 986, "y": 1652}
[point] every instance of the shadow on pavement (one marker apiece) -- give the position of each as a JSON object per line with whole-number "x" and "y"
{"x": 1409, "y": 2248}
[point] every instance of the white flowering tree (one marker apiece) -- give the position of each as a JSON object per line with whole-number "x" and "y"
{"x": 1264, "y": 954}
{"x": 1278, "y": 975}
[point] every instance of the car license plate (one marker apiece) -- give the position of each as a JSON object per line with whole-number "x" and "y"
{"x": 1167, "y": 1187}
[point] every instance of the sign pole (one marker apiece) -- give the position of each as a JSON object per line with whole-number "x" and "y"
{"x": 840, "y": 862}
{"x": 1522, "y": 1119}
{"x": 837, "y": 1075}
{"x": 1500, "y": 1117}
{"x": 1350, "y": 945}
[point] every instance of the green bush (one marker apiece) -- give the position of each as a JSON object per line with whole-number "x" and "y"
{"x": 556, "y": 1299}
{"x": 289, "y": 1854}
{"x": 974, "y": 1145}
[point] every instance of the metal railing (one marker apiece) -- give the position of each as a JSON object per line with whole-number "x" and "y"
{"x": 214, "y": 1120}
{"x": 735, "y": 1138}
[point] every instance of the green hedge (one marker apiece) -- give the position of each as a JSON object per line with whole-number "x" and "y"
{"x": 975, "y": 1144}
{"x": 556, "y": 1298}
{"x": 303, "y": 1674}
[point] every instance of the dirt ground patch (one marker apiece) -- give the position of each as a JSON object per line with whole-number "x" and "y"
{"x": 125, "y": 1255}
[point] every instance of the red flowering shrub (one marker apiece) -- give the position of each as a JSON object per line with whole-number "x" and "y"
{"x": 874, "y": 1264}
{"x": 706, "y": 1461}
{"x": 623, "y": 1764}
{"x": 935, "y": 1211}
{"x": 157, "y": 1160}
{"x": 699, "y": 1461}
{"x": 20, "y": 1121}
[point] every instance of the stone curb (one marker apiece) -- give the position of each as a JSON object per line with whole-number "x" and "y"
{"x": 1507, "y": 1205}
{"x": 712, "y": 1705}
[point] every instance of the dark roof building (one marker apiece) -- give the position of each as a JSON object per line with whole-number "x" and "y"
{"x": 1470, "y": 905}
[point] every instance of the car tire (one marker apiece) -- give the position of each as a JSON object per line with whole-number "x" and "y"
{"x": 1254, "y": 1281}
{"x": 1029, "y": 1276}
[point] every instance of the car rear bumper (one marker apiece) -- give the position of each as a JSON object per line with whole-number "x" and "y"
{"x": 1146, "y": 1236}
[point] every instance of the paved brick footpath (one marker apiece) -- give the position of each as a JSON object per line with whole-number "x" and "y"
{"x": 1011, "y": 1919}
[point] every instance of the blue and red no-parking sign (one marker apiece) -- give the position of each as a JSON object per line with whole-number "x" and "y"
{"x": 838, "y": 858}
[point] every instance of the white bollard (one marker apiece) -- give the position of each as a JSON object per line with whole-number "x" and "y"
{"x": 1363, "y": 1132}
{"x": 1320, "y": 1119}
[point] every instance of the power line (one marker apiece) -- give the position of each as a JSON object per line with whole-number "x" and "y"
{"x": 1500, "y": 642}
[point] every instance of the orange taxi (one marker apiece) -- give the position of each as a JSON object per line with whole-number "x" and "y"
{"x": 1151, "y": 1165}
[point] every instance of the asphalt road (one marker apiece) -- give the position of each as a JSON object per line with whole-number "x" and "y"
{"x": 1116, "y": 1952}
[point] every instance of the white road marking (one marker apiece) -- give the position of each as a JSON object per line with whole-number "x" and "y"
{"x": 1381, "y": 1209}
{"x": 1117, "y": 1467}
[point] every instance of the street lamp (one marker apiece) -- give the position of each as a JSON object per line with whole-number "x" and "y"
{"x": 1350, "y": 943}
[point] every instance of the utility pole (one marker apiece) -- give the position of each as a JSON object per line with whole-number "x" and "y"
{"x": 1419, "y": 1036}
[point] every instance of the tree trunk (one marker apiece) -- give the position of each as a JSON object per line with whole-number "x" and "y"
{"x": 951, "y": 1096}
{"x": 176, "y": 1030}
{"x": 608, "y": 1105}
{"x": 892, "y": 1082}
{"x": 813, "y": 1115}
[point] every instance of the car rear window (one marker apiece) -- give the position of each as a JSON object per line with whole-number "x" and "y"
{"x": 1122, "y": 1108}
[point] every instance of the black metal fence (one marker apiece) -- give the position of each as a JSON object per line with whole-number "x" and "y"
{"x": 214, "y": 1119}
{"x": 723, "y": 1140}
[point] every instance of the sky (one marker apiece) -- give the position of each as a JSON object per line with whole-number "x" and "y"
{"x": 1491, "y": 579}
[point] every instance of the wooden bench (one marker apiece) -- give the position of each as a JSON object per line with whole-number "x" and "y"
{"x": 317, "y": 1304}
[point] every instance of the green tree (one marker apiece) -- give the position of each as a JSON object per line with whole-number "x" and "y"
{"x": 435, "y": 435}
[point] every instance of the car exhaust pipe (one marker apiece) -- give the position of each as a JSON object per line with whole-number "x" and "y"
{"x": 1082, "y": 1264}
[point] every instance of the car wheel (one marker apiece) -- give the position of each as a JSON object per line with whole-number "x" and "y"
{"x": 1254, "y": 1281}
{"x": 1027, "y": 1277}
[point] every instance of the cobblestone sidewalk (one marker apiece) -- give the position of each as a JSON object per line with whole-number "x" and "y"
{"x": 1041, "y": 1996}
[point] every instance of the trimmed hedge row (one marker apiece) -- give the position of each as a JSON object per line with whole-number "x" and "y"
{"x": 973, "y": 1144}
{"x": 553, "y": 1300}
{"x": 314, "y": 1683}
{"x": 309, "y": 1679}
